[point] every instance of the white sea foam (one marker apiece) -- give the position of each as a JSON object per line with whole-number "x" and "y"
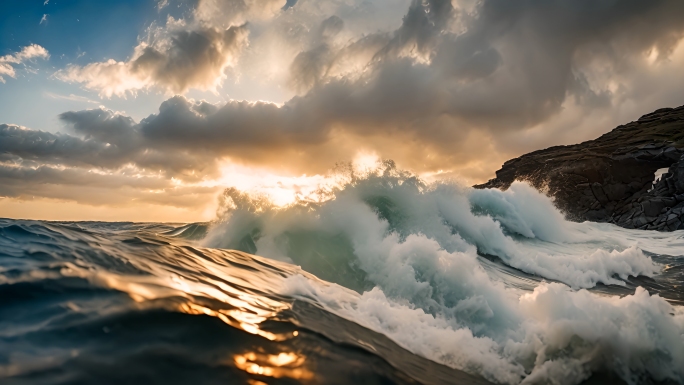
{"x": 561, "y": 336}
{"x": 411, "y": 250}
{"x": 519, "y": 225}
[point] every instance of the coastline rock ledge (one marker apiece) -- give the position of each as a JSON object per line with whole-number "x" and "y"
{"x": 632, "y": 176}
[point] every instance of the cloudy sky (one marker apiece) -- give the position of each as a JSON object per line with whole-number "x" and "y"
{"x": 146, "y": 109}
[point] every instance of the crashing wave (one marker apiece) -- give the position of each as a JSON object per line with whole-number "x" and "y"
{"x": 413, "y": 253}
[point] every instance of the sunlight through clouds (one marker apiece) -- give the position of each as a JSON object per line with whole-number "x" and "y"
{"x": 430, "y": 84}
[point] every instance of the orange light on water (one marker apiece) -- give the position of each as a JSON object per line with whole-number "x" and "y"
{"x": 280, "y": 365}
{"x": 232, "y": 318}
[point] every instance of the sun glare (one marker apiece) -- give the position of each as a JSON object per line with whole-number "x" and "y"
{"x": 365, "y": 161}
{"x": 282, "y": 190}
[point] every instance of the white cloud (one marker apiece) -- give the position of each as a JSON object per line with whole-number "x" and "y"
{"x": 28, "y": 53}
{"x": 430, "y": 98}
{"x": 434, "y": 90}
{"x": 71, "y": 97}
{"x": 226, "y": 13}
{"x": 174, "y": 59}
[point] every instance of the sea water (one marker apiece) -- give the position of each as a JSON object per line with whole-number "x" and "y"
{"x": 387, "y": 279}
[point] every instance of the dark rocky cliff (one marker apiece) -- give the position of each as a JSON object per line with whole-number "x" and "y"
{"x": 610, "y": 179}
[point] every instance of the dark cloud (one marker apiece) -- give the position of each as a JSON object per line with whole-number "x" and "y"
{"x": 330, "y": 27}
{"x": 311, "y": 66}
{"x": 423, "y": 24}
{"x": 109, "y": 142}
{"x": 173, "y": 59}
{"x": 88, "y": 186}
{"x": 193, "y": 59}
{"x": 40, "y": 146}
{"x": 99, "y": 190}
{"x": 447, "y": 84}
{"x": 523, "y": 58}
{"x": 511, "y": 66}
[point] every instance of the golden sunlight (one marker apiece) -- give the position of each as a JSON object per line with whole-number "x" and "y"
{"x": 281, "y": 190}
{"x": 274, "y": 365}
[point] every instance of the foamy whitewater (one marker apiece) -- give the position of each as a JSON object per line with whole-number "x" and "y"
{"x": 493, "y": 283}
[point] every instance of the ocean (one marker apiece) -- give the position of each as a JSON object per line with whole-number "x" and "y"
{"x": 384, "y": 280}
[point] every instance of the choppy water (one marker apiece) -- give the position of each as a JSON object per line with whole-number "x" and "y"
{"x": 388, "y": 281}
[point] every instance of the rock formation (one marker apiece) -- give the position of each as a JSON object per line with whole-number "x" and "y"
{"x": 611, "y": 179}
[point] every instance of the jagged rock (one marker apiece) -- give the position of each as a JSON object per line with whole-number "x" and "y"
{"x": 610, "y": 179}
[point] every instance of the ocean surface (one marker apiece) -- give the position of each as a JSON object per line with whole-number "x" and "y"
{"x": 386, "y": 280}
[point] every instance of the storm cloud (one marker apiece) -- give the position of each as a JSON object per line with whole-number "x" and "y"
{"x": 173, "y": 59}
{"x": 435, "y": 90}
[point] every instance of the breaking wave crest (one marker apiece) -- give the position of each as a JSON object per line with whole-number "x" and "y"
{"x": 401, "y": 282}
{"x": 491, "y": 282}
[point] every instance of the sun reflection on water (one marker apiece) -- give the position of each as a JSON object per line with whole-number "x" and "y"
{"x": 234, "y": 318}
{"x": 289, "y": 365}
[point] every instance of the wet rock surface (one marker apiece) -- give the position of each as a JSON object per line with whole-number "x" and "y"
{"x": 611, "y": 178}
